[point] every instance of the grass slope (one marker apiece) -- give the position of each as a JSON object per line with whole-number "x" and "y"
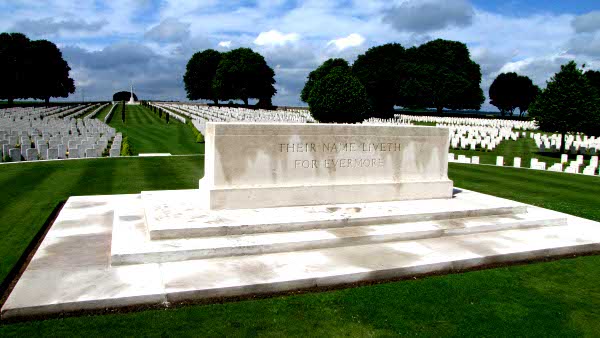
{"x": 148, "y": 133}
{"x": 102, "y": 114}
{"x": 560, "y": 298}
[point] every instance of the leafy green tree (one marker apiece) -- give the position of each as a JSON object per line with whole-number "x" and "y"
{"x": 441, "y": 75}
{"x": 380, "y": 70}
{"x": 49, "y": 72}
{"x": 15, "y": 59}
{"x": 199, "y": 75}
{"x": 530, "y": 91}
{"x": 339, "y": 97}
{"x": 319, "y": 73}
{"x": 243, "y": 74}
{"x": 123, "y": 96}
{"x": 569, "y": 104}
{"x": 510, "y": 91}
{"x": 593, "y": 76}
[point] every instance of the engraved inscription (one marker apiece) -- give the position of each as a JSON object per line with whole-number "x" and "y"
{"x": 337, "y": 148}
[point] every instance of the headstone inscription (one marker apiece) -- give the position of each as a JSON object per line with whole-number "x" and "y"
{"x": 252, "y": 165}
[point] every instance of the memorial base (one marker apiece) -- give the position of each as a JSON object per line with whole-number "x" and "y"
{"x": 159, "y": 247}
{"x": 282, "y": 196}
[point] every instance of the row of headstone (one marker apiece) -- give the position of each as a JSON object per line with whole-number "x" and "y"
{"x": 575, "y": 144}
{"x": 468, "y": 121}
{"x": 572, "y": 167}
{"x": 56, "y": 136}
{"x": 205, "y": 114}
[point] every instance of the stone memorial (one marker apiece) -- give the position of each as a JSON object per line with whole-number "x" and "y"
{"x": 274, "y": 165}
{"x": 284, "y": 207}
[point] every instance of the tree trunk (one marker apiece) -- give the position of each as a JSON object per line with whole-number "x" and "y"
{"x": 245, "y": 101}
{"x": 562, "y": 145}
{"x": 47, "y": 101}
{"x": 440, "y": 109}
{"x": 11, "y": 101}
{"x": 216, "y": 101}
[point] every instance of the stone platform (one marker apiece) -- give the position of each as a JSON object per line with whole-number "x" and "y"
{"x": 158, "y": 247}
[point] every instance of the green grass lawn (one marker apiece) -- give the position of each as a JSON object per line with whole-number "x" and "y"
{"x": 148, "y": 133}
{"x": 559, "y": 298}
{"x": 102, "y": 114}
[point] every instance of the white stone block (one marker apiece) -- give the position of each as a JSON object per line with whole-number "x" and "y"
{"x": 115, "y": 153}
{"x": 475, "y": 160}
{"x": 500, "y": 161}
{"x": 564, "y": 158}
{"x": 261, "y": 164}
{"x": 517, "y": 162}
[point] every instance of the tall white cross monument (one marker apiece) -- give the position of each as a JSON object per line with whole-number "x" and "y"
{"x": 131, "y": 99}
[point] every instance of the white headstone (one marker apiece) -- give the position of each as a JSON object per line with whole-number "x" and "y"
{"x": 500, "y": 161}
{"x": 517, "y": 162}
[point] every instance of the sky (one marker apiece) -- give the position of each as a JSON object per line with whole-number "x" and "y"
{"x": 110, "y": 44}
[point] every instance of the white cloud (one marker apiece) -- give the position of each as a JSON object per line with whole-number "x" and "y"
{"x": 587, "y": 23}
{"x": 275, "y": 37}
{"x": 169, "y": 30}
{"x": 225, "y": 44}
{"x": 425, "y": 16}
{"x": 352, "y": 40}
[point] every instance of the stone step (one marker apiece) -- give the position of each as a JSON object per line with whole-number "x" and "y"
{"x": 177, "y": 215}
{"x": 131, "y": 245}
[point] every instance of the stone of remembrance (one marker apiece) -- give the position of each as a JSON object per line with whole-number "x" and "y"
{"x": 285, "y": 207}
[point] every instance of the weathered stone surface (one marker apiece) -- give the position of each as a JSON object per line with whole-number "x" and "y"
{"x": 53, "y": 154}
{"x": 266, "y": 165}
{"x": 15, "y": 155}
{"x": 31, "y": 154}
{"x": 72, "y": 270}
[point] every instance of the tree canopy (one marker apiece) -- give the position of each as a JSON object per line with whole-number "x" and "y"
{"x": 123, "y": 96}
{"x": 339, "y": 97}
{"x": 593, "y": 76}
{"x": 569, "y": 104}
{"x": 243, "y": 74}
{"x": 441, "y": 75}
{"x": 199, "y": 75}
{"x": 380, "y": 70}
{"x": 319, "y": 73}
{"x": 32, "y": 69}
{"x": 510, "y": 91}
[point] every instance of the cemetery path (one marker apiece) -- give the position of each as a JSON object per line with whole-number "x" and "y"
{"x": 148, "y": 133}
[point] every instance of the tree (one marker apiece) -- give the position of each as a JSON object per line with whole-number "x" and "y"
{"x": 531, "y": 93}
{"x": 380, "y": 70}
{"x": 199, "y": 74}
{"x": 243, "y": 74}
{"x": 569, "y": 104}
{"x": 49, "y": 72}
{"x": 15, "y": 58}
{"x": 593, "y": 77}
{"x": 339, "y": 97}
{"x": 510, "y": 91}
{"x": 441, "y": 74}
{"x": 123, "y": 96}
{"x": 319, "y": 73}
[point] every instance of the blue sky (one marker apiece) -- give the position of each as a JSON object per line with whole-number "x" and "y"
{"x": 110, "y": 43}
